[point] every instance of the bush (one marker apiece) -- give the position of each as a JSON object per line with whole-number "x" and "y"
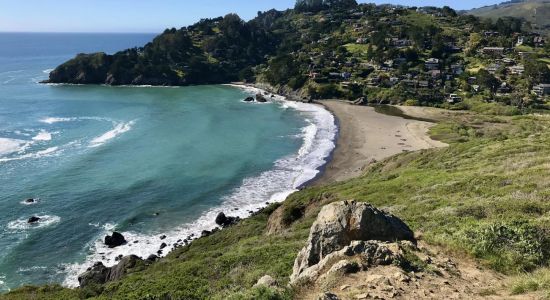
{"x": 412, "y": 102}
{"x": 509, "y": 247}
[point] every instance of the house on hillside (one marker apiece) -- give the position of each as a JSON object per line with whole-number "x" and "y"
{"x": 516, "y": 70}
{"x": 453, "y": 98}
{"x": 457, "y": 69}
{"x": 538, "y": 41}
{"x": 432, "y": 64}
{"x": 542, "y": 89}
{"x": 504, "y": 88}
{"x": 493, "y": 51}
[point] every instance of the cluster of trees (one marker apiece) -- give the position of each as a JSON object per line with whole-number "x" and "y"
{"x": 318, "y": 5}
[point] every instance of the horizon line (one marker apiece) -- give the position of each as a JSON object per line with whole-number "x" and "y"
{"x": 80, "y": 32}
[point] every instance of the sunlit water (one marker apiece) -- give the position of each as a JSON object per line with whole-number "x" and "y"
{"x": 144, "y": 161}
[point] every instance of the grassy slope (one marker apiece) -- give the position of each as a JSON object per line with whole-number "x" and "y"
{"x": 486, "y": 195}
{"x": 524, "y": 10}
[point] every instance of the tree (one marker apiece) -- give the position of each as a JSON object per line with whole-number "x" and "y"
{"x": 536, "y": 71}
{"x": 487, "y": 80}
{"x": 317, "y": 5}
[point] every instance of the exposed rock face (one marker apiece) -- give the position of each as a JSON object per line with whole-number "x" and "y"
{"x": 115, "y": 240}
{"x": 249, "y": 99}
{"x": 99, "y": 274}
{"x": 340, "y": 223}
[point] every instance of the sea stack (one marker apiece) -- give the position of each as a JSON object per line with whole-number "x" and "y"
{"x": 33, "y": 220}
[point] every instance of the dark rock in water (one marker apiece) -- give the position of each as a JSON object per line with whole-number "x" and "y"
{"x": 159, "y": 252}
{"x": 163, "y": 245}
{"x": 31, "y": 200}
{"x": 33, "y": 220}
{"x": 205, "y": 233}
{"x": 249, "y": 99}
{"x": 272, "y": 96}
{"x": 260, "y": 98}
{"x": 162, "y": 237}
{"x": 225, "y": 221}
{"x": 115, "y": 240}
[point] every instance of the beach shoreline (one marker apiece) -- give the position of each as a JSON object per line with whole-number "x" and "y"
{"x": 366, "y": 136}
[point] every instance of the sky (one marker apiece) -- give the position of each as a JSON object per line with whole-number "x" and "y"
{"x": 150, "y": 16}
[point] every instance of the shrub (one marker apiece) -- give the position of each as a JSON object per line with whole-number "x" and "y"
{"x": 508, "y": 247}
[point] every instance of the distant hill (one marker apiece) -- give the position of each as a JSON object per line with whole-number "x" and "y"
{"x": 535, "y": 11}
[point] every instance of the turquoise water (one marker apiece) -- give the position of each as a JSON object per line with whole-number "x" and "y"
{"x": 144, "y": 161}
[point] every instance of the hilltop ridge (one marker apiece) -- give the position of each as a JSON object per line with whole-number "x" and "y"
{"x": 340, "y": 49}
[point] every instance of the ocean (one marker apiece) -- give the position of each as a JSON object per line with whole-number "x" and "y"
{"x": 144, "y": 161}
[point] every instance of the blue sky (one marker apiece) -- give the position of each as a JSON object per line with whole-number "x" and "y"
{"x": 147, "y": 15}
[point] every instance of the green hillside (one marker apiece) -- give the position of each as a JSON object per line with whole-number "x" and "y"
{"x": 535, "y": 11}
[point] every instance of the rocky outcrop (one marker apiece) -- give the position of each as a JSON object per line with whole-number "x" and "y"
{"x": 260, "y": 98}
{"x": 225, "y": 221}
{"x": 100, "y": 274}
{"x": 346, "y": 229}
{"x": 115, "y": 240}
{"x": 31, "y": 200}
{"x": 249, "y": 99}
{"x": 33, "y": 220}
{"x": 266, "y": 281}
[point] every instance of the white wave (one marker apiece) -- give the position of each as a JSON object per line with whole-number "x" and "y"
{"x": 43, "y": 136}
{"x": 39, "y": 154}
{"x": 3, "y": 287}
{"x": 8, "y": 146}
{"x": 31, "y": 269}
{"x": 47, "y": 71}
{"x": 119, "y": 128}
{"x": 286, "y": 177}
{"x": 22, "y": 224}
{"x": 52, "y": 120}
{"x": 12, "y": 78}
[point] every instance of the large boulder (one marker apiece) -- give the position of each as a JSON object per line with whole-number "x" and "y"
{"x": 260, "y": 98}
{"x": 33, "y": 219}
{"x": 225, "y": 221}
{"x": 97, "y": 274}
{"x": 340, "y": 223}
{"x": 115, "y": 240}
{"x": 100, "y": 274}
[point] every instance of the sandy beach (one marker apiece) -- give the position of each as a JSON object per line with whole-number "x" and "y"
{"x": 366, "y": 136}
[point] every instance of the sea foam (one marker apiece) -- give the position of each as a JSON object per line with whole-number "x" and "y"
{"x": 8, "y": 146}
{"x": 43, "y": 136}
{"x": 118, "y": 129}
{"x": 286, "y": 177}
{"x": 22, "y": 224}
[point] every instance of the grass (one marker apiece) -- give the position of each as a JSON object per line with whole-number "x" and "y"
{"x": 486, "y": 195}
{"x": 358, "y": 49}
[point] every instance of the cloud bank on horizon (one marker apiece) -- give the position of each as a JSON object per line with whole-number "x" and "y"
{"x": 150, "y": 16}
